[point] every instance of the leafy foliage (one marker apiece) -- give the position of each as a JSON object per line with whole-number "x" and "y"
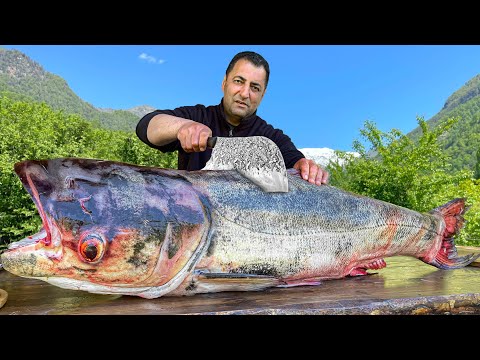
{"x": 35, "y": 131}
{"x": 470, "y": 190}
{"x": 415, "y": 175}
{"x": 477, "y": 165}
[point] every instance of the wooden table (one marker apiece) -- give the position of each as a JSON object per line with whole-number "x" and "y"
{"x": 405, "y": 286}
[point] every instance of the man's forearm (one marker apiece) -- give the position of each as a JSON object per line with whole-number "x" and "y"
{"x": 163, "y": 128}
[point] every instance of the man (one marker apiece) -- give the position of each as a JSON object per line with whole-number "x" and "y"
{"x": 187, "y": 128}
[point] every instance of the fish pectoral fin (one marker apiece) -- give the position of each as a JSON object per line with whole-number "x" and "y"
{"x": 237, "y": 281}
{"x": 302, "y": 282}
{"x": 232, "y": 275}
{"x": 213, "y": 275}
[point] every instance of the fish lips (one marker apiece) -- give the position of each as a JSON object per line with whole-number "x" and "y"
{"x": 18, "y": 258}
{"x": 34, "y": 176}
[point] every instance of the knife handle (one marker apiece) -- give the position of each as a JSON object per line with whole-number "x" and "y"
{"x": 211, "y": 141}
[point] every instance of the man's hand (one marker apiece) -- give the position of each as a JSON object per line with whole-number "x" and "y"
{"x": 193, "y": 136}
{"x": 311, "y": 172}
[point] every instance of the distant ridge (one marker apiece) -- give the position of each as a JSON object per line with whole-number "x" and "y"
{"x": 27, "y": 80}
{"x": 138, "y": 111}
{"x": 141, "y": 110}
{"x": 462, "y": 142}
{"x": 322, "y": 156}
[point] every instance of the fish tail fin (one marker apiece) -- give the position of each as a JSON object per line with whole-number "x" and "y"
{"x": 447, "y": 257}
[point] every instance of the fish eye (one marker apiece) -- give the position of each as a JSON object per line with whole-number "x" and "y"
{"x": 91, "y": 248}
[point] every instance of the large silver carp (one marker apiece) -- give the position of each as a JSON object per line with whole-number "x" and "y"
{"x": 117, "y": 228}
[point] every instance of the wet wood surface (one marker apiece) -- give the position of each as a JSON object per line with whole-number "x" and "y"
{"x": 405, "y": 286}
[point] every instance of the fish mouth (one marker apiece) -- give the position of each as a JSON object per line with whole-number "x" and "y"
{"x": 33, "y": 172}
{"x": 31, "y": 257}
{"x": 30, "y": 240}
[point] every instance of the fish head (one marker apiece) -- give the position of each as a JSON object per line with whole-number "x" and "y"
{"x": 109, "y": 227}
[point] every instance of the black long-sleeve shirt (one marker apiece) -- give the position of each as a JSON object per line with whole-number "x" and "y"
{"x": 214, "y": 117}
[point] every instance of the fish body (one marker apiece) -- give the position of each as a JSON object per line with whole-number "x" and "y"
{"x": 117, "y": 228}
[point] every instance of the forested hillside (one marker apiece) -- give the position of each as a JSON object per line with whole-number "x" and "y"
{"x": 22, "y": 76}
{"x": 462, "y": 141}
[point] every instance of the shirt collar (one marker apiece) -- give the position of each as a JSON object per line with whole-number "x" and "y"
{"x": 245, "y": 121}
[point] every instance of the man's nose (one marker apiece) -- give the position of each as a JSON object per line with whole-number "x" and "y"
{"x": 245, "y": 91}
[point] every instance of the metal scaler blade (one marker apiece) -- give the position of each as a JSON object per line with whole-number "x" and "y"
{"x": 256, "y": 157}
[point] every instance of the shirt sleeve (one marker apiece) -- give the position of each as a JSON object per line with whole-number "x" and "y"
{"x": 186, "y": 112}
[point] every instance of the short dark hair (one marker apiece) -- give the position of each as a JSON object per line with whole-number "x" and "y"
{"x": 256, "y": 59}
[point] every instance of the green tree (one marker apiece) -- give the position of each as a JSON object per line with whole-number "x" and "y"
{"x": 416, "y": 175}
{"x": 477, "y": 165}
{"x": 470, "y": 190}
{"x": 397, "y": 169}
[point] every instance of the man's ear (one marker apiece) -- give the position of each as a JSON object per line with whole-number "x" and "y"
{"x": 223, "y": 83}
{"x": 264, "y": 91}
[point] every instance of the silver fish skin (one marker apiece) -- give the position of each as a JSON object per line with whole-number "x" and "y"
{"x": 116, "y": 228}
{"x": 314, "y": 233}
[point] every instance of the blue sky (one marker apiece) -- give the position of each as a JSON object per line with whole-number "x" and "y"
{"x": 319, "y": 95}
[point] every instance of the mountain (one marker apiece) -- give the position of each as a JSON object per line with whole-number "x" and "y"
{"x": 322, "y": 156}
{"x": 462, "y": 141}
{"x": 138, "y": 111}
{"x": 25, "y": 79}
{"x": 141, "y": 110}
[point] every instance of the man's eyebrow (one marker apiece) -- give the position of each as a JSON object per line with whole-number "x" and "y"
{"x": 252, "y": 82}
{"x": 241, "y": 77}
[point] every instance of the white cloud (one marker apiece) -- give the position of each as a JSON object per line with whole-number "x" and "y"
{"x": 151, "y": 59}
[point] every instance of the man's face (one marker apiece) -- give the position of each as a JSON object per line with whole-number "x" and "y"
{"x": 243, "y": 90}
